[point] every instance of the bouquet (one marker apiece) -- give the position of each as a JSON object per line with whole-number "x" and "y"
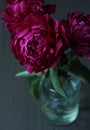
{"x": 45, "y": 45}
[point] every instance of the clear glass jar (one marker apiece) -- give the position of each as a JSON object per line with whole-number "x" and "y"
{"x": 58, "y": 109}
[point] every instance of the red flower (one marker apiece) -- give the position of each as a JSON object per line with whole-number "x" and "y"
{"x": 37, "y": 43}
{"x": 77, "y": 31}
{"x": 13, "y": 1}
{"x": 16, "y": 1}
{"x": 18, "y": 10}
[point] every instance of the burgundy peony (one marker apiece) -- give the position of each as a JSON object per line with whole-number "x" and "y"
{"x": 14, "y": 14}
{"x": 13, "y": 1}
{"x": 77, "y": 31}
{"x": 16, "y": 1}
{"x": 18, "y": 10}
{"x": 37, "y": 43}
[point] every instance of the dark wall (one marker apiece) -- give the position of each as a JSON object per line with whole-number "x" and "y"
{"x": 18, "y": 110}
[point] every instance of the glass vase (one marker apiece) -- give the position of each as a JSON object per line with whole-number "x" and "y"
{"x": 58, "y": 109}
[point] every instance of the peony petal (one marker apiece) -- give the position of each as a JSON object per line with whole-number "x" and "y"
{"x": 58, "y": 47}
{"x": 51, "y": 50}
{"x": 29, "y": 69}
{"x": 21, "y": 34}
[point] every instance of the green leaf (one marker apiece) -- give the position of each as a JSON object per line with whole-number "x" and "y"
{"x": 23, "y": 74}
{"x": 35, "y": 83}
{"x": 76, "y": 68}
{"x": 57, "y": 83}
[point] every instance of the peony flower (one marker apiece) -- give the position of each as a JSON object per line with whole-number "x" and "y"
{"x": 14, "y": 14}
{"x": 37, "y": 43}
{"x": 16, "y": 1}
{"x": 13, "y": 1}
{"x": 18, "y": 10}
{"x": 77, "y": 31}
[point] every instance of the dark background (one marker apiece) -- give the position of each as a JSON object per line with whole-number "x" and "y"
{"x": 18, "y": 110}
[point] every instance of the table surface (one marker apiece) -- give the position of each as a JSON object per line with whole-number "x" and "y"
{"x": 20, "y": 111}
